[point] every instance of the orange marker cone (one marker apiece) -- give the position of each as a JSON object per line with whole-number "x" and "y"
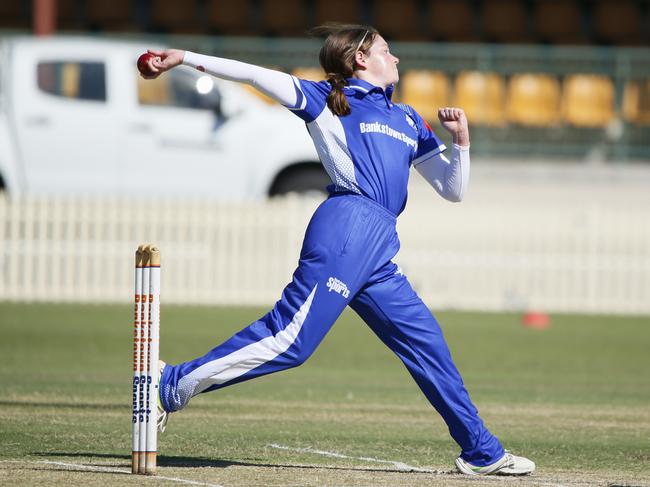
{"x": 536, "y": 319}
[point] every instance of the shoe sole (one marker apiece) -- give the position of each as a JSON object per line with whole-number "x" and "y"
{"x": 465, "y": 468}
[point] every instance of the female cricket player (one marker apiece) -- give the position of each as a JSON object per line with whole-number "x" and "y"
{"x": 367, "y": 145}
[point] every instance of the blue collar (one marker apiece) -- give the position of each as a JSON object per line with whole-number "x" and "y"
{"x": 359, "y": 85}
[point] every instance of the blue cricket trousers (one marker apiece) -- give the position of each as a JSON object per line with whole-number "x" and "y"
{"x": 345, "y": 260}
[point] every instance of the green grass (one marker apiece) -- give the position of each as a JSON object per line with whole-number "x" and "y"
{"x": 574, "y": 397}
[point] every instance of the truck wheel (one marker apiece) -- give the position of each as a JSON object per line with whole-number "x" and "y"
{"x": 307, "y": 181}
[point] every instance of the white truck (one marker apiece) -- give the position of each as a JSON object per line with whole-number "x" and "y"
{"x": 76, "y": 118}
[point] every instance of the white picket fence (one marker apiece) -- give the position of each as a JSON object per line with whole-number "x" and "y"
{"x": 527, "y": 249}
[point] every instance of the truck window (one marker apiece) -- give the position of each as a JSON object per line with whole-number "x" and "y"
{"x": 81, "y": 80}
{"x": 180, "y": 88}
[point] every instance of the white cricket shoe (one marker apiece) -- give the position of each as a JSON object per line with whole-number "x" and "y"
{"x": 163, "y": 415}
{"x": 509, "y": 464}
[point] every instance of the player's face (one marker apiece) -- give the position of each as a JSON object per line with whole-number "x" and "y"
{"x": 381, "y": 65}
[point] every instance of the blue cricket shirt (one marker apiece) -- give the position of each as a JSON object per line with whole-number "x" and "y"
{"x": 370, "y": 151}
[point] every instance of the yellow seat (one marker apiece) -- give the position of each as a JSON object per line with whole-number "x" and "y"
{"x": 588, "y": 100}
{"x": 636, "y": 102}
{"x": 481, "y": 95}
{"x": 155, "y": 92}
{"x": 426, "y": 91}
{"x": 533, "y": 100}
{"x": 311, "y": 74}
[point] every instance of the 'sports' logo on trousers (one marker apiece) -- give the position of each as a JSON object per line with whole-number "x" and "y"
{"x": 333, "y": 284}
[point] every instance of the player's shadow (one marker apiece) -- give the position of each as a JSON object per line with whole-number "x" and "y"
{"x": 162, "y": 460}
{"x": 195, "y": 462}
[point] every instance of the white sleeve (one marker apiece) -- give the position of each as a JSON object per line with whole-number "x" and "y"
{"x": 449, "y": 178}
{"x": 276, "y": 84}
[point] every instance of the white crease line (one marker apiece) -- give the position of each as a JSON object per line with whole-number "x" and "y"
{"x": 398, "y": 465}
{"x": 120, "y": 470}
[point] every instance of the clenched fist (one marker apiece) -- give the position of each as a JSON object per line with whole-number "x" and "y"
{"x": 454, "y": 121}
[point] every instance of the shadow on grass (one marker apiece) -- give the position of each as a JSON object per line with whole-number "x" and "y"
{"x": 196, "y": 462}
{"x": 163, "y": 460}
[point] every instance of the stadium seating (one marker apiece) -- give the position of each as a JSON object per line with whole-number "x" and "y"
{"x": 558, "y": 22}
{"x": 451, "y": 20}
{"x": 230, "y": 18}
{"x": 283, "y": 17}
{"x": 344, "y": 11}
{"x": 482, "y": 96}
{"x": 116, "y": 15}
{"x": 533, "y": 100}
{"x": 426, "y": 91}
{"x": 588, "y": 100}
{"x": 636, "y": 102}
{"x": 167, "y": 16}
{"x": 617, "y": 22}
{"x": 14, "y": 14}
{"x": 505, "y": 21}
{"x": 69, "y": 17}
{"x": 398, "y": 20}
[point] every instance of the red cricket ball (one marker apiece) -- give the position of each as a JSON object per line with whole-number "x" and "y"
{"x": 143, "y": 64}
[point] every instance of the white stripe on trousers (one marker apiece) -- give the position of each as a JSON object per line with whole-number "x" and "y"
{"x": 246, "y": 358}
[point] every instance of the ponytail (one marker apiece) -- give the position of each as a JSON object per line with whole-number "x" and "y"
{"x": 337, "y": 58}
{"x": 336, "y": 100}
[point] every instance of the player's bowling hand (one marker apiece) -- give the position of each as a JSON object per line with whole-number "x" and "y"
{"x": 162, "y": 61}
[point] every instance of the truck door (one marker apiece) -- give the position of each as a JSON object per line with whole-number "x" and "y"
{"x": 180, "y": 141}
{"x": 65, "y": 124}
